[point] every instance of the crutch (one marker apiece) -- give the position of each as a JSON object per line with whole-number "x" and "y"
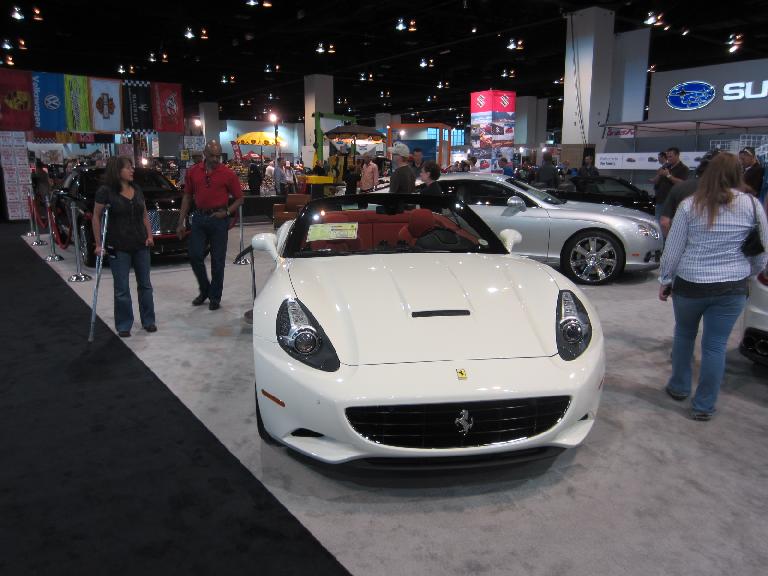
{"x": 99, "y": 263}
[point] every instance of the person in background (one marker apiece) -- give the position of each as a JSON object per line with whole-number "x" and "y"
{"x": 473, "y": 167}
{"x": 547, "y": 173}
{"x": 662, "y": 159}
{"x": 278, "y": 174}
{"x": 402, "y": 180}
{"x": 418, "y": 162}
{"x": 41, "y": 183}
{"x": 588, "y": 167}
{"x": 351, "y": 179}
{"x": 430, "y": 174}
{"x": 369, "y": 175}
{"x": 465, "y": 167}
{"x": 705, "y": 271}
{"x": 254, "y": 178}
{"x": 506, "y": 169}
{"x": 212, "y": 186}
{"x": 673, "y": 172}
{"x": 129, "y": 237}
{"x": 753, "y": 171}
{"x": 681, "y": 191}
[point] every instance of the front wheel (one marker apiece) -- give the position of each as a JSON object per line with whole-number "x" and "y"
{"x": 592, "y": 257}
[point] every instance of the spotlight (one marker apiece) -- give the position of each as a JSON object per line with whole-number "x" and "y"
{"x": 152, "y": 57}
{"x": 400, "y": 26}
{"x": 431, "y": 63}
{"x": 223, "y": 78}
{"x": 203, "y": 34}
{"x": 423, "y": 63}
{"x": 474, "y": 29}
{"x": 267, "y": 4}
{"x": 331, "y": 49}
{"x": 252, "y": 3}
{"x": 268, "y": 69}
{"x": 38, "y": 16}
{"x": 131, "y": 69}
{"x": 120, "y": 69}
{"x": 22, "y": 44}
{"x": 189, "y": 34}
{"x": 165, "y": 58}
{"x": 412, "y": 26}
{"x": 320, "y": 49}
{"x": 7, "y": 45}
{"x": 685, "y": 32}
{"x": 16, "y": 13}
{"x": 515, "y": 44}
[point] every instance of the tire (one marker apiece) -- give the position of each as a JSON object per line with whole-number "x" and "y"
{"x": 592, "y": 257}
{"x": 265, "y": 437}
{"x": 87, "y": 244}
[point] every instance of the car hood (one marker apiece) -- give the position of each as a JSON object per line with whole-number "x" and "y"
{"x": 604, "y": 209}
{"x": 365, "y": 304}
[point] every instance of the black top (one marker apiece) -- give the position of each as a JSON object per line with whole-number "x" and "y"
{"x": 125, "y": 228}
{"x": 753, "y": 177}
{"x": 351, "y": 178}
{"x": 548, "y": 174}
{"x": 678, "y": 193}
{"x": 402, "y": 181}
{"x": 680, "y": 171}
{"x": 432, "y": 190}
{"x": 588, "y": 170}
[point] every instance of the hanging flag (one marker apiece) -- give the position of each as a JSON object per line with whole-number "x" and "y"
{"x": 137, "y": 106}
{"x": 167, "y": 107}
{"x": 106, "y": 112}
{"x": 16, "y": 100}
{"x": 48, "y": 92}
{"x": 76, "y": 103}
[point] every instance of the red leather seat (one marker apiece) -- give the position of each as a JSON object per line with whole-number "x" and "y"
{"x": 290, "y": 210}
{"x": 420, "y": 221}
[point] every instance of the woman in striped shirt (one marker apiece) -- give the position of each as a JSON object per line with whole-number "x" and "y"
{"x": 705, "y": 270}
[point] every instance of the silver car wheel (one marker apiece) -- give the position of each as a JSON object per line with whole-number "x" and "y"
{"x": 594, "y": 259}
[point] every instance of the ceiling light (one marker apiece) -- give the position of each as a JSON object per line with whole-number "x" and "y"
{"x": 268, "y": 69}
{"x": 22, "y": 44}
{"x": 270, "y": 97}
{"x": 412, "y": 26}
{"x": 654, "y": 19}
{"x": 400, "y": 25}
{"x": 152, "y": 57}
{"x": 402, "y": 133}
{"x": 242, "y": 103}
{"x": 474, "y": 29}
{"x": 223, "y": 78}
{"x": 504, "y": 73}
{"x": 370, "y": 76}
{"x": 189, "y": 34}
{"x": 267, "y": 4}
{"x": 431, "y": 63}
{"x": 423, "y": 63}
{"x": 120, "y": 69}
{"x": 16, "y": 13}
{"x": 252, "y": 3}
{"x": 319, "y": 48}
{"x": 131, "y": 69}
{"x": 429, "y": 98}
{"x": 362, "y": 76}
{"x": 203, "y": 34}
{"x": 735, "y": 41}
{"x": 165, "y": 58}
{"x": 331, "y": 49}
{"x": 9, "y": 60}
{"x": 440, "y": 85}
{"x": 652, "y": 68}
{"x": 667, "y": 27}
{"x": 7, "y": 45}
{"x": 37, "y": 14}
{"x": 685, "y": 32}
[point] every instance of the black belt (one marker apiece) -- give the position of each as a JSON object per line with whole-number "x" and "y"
{"x": 211, "y": 210}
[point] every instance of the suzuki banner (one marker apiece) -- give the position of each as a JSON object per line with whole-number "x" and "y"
{"x": 167, "y": 107}
{"x": 76, "y": 103}
{"x": 493, "y": 127}
{"x": 106, "y": 109}
{"x": 48, "y": 92}
{"x": 15, "y": 100}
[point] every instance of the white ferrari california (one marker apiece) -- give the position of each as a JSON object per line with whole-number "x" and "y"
{"x": 754, "y": 343}
{"x": 398, "y": 329}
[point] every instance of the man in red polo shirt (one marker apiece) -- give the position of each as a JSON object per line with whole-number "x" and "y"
{"x": 217, "y": 195}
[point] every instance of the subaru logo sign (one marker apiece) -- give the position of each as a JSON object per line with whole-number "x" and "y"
{"x": 690, "y": 95}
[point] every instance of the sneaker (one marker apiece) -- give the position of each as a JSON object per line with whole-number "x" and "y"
{"x": 701, "y": 416}
{"x": 150, "y": 328}
{"x": 213, "y": 305}
{"x": 199, "y": 300}
{"x": 124, "y": 333}
{"x": 676, "y": 395}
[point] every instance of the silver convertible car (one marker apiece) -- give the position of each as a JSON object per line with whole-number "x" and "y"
{"x": 592, "y": 243}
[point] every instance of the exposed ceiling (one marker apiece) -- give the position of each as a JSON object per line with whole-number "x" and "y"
{"x": 92, "y": 38}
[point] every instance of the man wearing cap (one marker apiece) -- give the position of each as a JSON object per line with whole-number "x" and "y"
{"x": 402, "y": 180}
{"x": 753, "y": 170}
{"x": 680, "y": 192}
{"x": 217, "y": 195}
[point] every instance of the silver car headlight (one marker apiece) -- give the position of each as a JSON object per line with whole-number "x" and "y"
{"x": 648, "y": 230}
{"x": 302, "y": 337}
{"x": 573, "y": 328}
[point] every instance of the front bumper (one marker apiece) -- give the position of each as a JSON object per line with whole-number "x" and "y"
{"x": 313, "y": 420}
{"x": 643, "y": 253}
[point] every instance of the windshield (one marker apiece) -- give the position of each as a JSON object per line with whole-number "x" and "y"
{"x": 389, "y": 223}
{"x": 537, "y": 193}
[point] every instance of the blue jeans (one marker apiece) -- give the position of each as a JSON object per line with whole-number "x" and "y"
{"x": 120, "y": 264}
{"x": 209, "y": 230}
{"x": 720, "y": 314}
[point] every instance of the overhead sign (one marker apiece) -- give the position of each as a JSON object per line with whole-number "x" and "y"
{"x": 734, "y": 90}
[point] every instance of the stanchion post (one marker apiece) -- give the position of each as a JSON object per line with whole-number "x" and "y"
{"x": 31, "y": 215}
{"x": 38, "y": 241}
{"x": 52, "y": 257}
{"x": 243, "y": 259}
{"x": 78, "y": 276}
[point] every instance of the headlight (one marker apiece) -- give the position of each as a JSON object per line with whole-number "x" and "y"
{"x": 574, "y": 331}
{"x": 648, "y": 230}
{"x": 301, "y": 336}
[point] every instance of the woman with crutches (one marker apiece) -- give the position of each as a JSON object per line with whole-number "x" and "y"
{"x": 129, "y": 237}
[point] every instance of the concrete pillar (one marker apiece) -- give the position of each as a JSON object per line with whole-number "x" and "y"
{"x": 588, "y": 67}
{"x": 630, "y": 75}
{"x": 318, "y": 97}
{"x": 209, "y": 116}
{"x": 541, "y": 120}
{"x": 385, "y": 119}
{"x": 525, "y": 120}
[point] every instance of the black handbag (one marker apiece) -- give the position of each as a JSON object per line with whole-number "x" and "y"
{"x": 752, "y": 244}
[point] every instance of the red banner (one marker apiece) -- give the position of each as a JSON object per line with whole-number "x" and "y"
{"x": 16, "y": 110}
{"x": 167, "y": 107}
{"x": 481, "y": 101}
{"x": 503, "y": 101}
{"x": 237, "y": 151}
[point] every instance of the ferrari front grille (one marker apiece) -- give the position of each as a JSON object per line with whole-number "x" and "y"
{"x": 458, "y": 424}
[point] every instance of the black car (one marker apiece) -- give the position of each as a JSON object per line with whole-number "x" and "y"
{"x": 605, "y": 190}
{"x": 163, "y": 201}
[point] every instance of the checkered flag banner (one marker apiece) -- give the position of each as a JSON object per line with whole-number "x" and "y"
{"x": 137, "y": 106}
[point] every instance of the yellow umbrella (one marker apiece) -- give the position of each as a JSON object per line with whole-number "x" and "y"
{"x": 258, "y": 139}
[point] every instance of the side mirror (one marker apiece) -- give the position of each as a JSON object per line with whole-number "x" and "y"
{"x": 516, "y": 203}
{"x": 510, "y": 237}
{"x": 266, "y": 242}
